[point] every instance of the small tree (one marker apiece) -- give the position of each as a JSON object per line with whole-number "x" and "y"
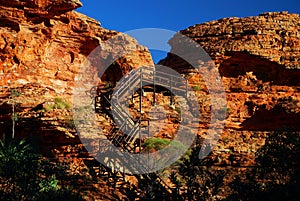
{"x": 25, "y": 175}
{"x": 14, "y": 93}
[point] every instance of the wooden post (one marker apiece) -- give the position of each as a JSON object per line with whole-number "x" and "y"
{"x": 140, "y": 136}
{"x": 153, "y": 88}
{"x": 141, "y": 92}
{"x": 171, "y": 95}
{"x": 186, "y": 88}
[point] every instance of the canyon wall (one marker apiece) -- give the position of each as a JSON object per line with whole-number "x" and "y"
{"x": 258, "y": 60}
{"x": 43, "y": 45}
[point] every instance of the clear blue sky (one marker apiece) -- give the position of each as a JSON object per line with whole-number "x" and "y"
{"x": 176, "y": 15}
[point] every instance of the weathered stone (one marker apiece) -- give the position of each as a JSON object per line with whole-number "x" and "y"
{"x": 258, "y": 60}
{"x": 44, "y": 43}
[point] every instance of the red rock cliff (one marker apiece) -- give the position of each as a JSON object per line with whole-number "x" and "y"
{"x": 42, "y": 46}
{"x": 44, "y": 43}
{"x": 258, "y": 59}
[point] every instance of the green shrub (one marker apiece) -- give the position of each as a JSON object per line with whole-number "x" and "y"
{"x": 159, "y": 143}
{"x": 155, "y": 143}
{"x": 178, "y": 110}
{"x": 58, "y": 104}
{"x": 196, "y": 88}
{"x": 177, "y": 144}
{"x": 26, "y": 175}
{"x": 14, "y": 93}
{"x": 20, "y": 171}
{"x": 48, "y": 108}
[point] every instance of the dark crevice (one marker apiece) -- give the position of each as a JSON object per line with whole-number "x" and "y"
{"x": 249, "y": 32}
{"x": 88, "y": 46}
{"x": 268, "y": 71}
{"x": 16, "y": 60}
{"x": 20, "y": 7}
{"x": 47, "y": 23}
{"x": 65, "y": 20}
{"x": 4, "y": 22}
{"x": 31, "y": 15}
{"x": 72, "y": 55}
{"x": 44, "y": 31}
{"x": 271, "y": 120}
{"x": 34, "y": 18}
{"x": 112, "y": 74}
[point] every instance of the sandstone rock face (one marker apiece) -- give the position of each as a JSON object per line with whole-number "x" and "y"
{"x": 44, "y": 43}
{"x": 47, "y": 49}
{"x": 274, "y": 36}
{"x": 258, "y": 59}
{"x": 43, "y": 8}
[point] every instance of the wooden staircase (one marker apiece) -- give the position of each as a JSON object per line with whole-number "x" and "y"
{"x": 127, "y": 132}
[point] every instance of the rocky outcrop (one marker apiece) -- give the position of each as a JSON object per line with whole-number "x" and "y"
{"x": 43, "y": 44}
{"x": 274, "y": 36}
{"x": 258, "y": 60}
{"x": 43, "y": 8}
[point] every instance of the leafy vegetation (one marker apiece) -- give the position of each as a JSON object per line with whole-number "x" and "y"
{"x": 178, "y": 110}
{"x": 277, "y": 175}
{"x": 14, "y": 93}
{"x": 193, "y": 180}
{"x": 155, "y": 143}
{"x": 58, "y": 104}
{"x": 196, "y": 88}
{"x": 26, "y": 175}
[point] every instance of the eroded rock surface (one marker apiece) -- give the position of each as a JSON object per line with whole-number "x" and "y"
{"x": 258, "y": 60}
{"x": 43, "y": 44}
